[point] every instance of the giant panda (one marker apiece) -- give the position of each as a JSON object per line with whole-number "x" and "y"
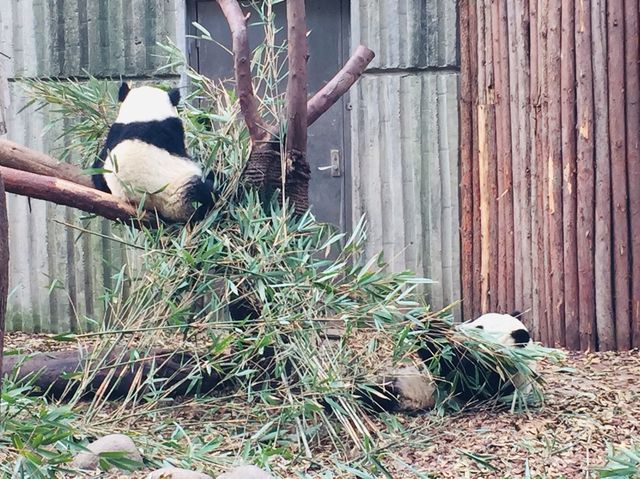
{"x": 144, "y": 160}
{"x": 414, "y": 389}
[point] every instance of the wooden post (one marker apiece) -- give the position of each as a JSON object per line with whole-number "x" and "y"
{"x": 524, "y": 120}
{"x": 475, "y": 180}
{"x": 585, "y": 180}
{"x": 4, "y": 268}
{"x": 466, "y": 160}
{"x": 569, "y": 205}
{"x": 604, "y": 312}
{"x": 632, "y": 121}
{"x": 617, "y": 129}
{"x": 554, "y": 175}
{"x": 515, "y": 164}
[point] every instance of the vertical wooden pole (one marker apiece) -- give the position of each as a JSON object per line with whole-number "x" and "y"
{"x": 604, "y": 312}
{"x": 4, "y": 268}
{"x": 585, "y": 179}
{"x": 617, "y": 129}
{"x": 505, "y": 181}
{"x": 466, "y": 160}
{"x": 543, "y": 169}
{"x": 525, "y": 110}
{"x": 515, "y": 164}
{"x": 554, "y": 174}
{"x": 475, "y": 182}
{"x": 632, "y": 121}
{"x": 569, "y": 195}
{"x": 536, "y": 248}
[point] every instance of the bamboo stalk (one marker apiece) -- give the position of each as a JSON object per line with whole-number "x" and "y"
{"x": 585, "y": 179}
{"x": 604, "y": 311}
{"x": 569, "y": 204}
{"x": 632, "y": 121}
{"x": 616, "y": 64}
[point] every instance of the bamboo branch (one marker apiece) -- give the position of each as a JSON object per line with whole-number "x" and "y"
{"x": 296, "y": 140}
{"x": 4, "y": 268}
{"x": 18, "y": 157}
{"x": 339, "y": 84}
{"x": 258, "y": 129}
{"x": 67, "y": 193}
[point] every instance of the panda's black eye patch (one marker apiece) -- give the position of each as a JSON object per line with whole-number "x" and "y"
{"x": 480, "y": 327}
{"x": 521, "y": 337}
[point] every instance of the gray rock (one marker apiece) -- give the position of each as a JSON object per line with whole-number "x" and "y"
{"x": 176, "y": 473}
{"x": 111, "y": 443}
{"x": 246, "y": 472}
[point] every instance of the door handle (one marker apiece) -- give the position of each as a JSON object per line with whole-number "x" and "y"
{"x": 335, "y": 167}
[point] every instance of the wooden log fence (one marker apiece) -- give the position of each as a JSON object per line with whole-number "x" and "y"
{"x": 550, "y": 167}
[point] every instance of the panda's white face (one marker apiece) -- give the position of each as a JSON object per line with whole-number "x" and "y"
{"x": 146, "y": 103}
{"x": 504, "y": 328}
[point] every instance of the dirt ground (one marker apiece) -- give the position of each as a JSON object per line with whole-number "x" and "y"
{"x": 592, "y": 400}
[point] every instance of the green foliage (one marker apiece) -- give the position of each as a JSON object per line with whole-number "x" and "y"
{"x": 298, "y": 275}
{"x": 622, "y": 463}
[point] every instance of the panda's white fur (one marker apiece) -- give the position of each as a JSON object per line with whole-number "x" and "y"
{"x": 144, "y": 160}
{"x": 146, "y": 103}
{"x": 501, "y": 328}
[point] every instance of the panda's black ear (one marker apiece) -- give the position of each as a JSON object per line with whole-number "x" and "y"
{"x": 174, "y": 96}
{"x": 123, "y": 92}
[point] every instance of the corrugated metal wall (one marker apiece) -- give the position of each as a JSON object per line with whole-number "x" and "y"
{"x": 57, "y": 275}
{"x": 405, "y": 138}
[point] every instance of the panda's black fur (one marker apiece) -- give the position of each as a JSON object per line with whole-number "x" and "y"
{"x": 157, "y": 136}
{"x": 449, "y": 362}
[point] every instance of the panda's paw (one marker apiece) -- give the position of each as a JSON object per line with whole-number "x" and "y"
{"x": 413, "y": 390}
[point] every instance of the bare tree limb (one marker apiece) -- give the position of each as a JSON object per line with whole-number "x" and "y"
{"x": 258, "y": 129}
{"x": 51, "y": 373}
{"x": 18, "y": 157}
{"x": 4, "y": 268}
{"x": 296, "y": 139}
{"x": 339, "y": 84}
{"x": 66, "y": 193}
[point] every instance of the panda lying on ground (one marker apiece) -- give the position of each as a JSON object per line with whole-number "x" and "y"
{"x": 144, "y": 160}
{"x": 409, "y": 389}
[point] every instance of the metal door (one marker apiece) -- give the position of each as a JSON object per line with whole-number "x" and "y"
{"x": 328, "y": 23}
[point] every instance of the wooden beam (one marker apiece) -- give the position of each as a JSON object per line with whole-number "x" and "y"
{"x": 19, "y": 157}
{"x": 66, "y": 193}
{"x": 339, "y": 84}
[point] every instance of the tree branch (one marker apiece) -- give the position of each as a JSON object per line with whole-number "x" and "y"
{"x": 296, "y": 140}
{"x": 4, "y": 268}
{"x": 258, "y": 129}
{"x": 339, "y": 84}
{"x": 18, "y": 157}
{"x": 66, "y": 193}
